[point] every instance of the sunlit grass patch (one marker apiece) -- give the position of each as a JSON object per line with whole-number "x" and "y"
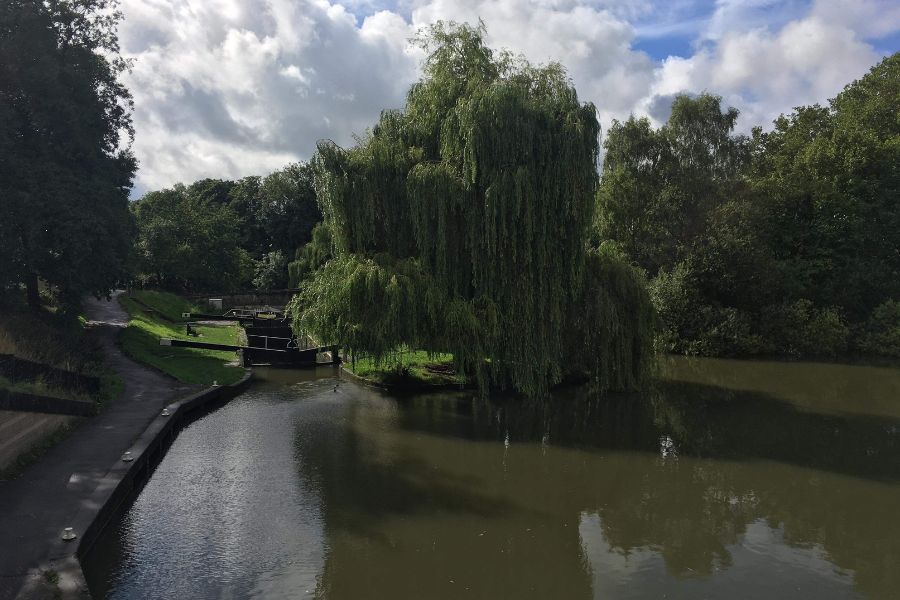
{"x": 408, "y": 368}
{"x": 190, "y": 365}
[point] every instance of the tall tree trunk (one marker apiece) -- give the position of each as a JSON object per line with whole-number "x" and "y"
{"x": 31, "y": 291}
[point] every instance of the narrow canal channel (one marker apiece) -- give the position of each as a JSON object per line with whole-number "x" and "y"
{"x": 729, "y": 480}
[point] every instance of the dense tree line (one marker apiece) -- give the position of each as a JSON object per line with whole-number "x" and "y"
{"x": 461, "y": 225}
{"x": 474, "y": 221}
{"x": 221, "y": 235}
{"x": 65, "y": 160}
{"x": 783, "y": 242}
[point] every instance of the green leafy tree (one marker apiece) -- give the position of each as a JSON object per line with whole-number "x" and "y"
{"x": 784, "y": 244}
{"x": 211, "y": 192}
{"x": 187, "y": 243}
{"x": 880, "y": 334}
{"x": 287, "y": 211}
{"x": 312, "y": 256}
{"x": 659, "y": 186}
{"x": 65, "y": 171}
{"x": 632, "y": 209}
{"x": 461, "y": 225}
{"x": 829, "y": 179}
{"x": 271, "y": 271}
{"x": 675, "y": 199}
{"x": 245, "y": 199}
{"x": 277, "y": 212}
{"x": 215, "y": 233}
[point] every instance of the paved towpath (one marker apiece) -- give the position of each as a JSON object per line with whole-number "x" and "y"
{"x": 36, "y": 506}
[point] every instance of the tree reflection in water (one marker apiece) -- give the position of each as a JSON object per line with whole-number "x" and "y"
{"x": 423, "y": 494}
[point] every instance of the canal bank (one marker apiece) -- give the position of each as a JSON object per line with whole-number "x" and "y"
{"x": 82, "y": 481}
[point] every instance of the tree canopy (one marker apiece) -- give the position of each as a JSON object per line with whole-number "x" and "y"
{"x": 461, "y": 225}
{"x": 185, "y": 242}
{"x": 660, "y": 185}
{"x": 782, "y": 243}
{"x": 65, "y": 160}
{"x": 218, "y": 234}
{"x": 828, "y": 179}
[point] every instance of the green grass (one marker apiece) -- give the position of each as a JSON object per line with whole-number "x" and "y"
{"x": 39, "y": 388}
{"x": 57, "y": 341}
{"x": 169, "y": 305}
{"x": 50, "y": 339}
{"x": 111, "y": 387}
{"x": 190, "y": 365}
{"x": 415, "y": 368}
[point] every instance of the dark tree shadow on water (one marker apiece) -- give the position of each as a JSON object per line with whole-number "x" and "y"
{"x": 359, "y": 486}
{"x": 712, "y": 422}
{"x": 702, "y": 421}
{"x": 403, "y": 526}
{"x": 816, "y": 480}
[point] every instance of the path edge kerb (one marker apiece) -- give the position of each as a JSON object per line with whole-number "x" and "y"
{"x": 115, "y": 489}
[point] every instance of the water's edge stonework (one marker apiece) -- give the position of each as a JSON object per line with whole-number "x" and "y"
{"x": 111, "y": 495}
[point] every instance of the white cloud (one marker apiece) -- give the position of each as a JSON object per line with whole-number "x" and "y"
{"x": 230, "y": 88}
{"x": 868, "y": 18}
{"x": 227, "y": 88}
{"x": 592, "y": 43}
{"x": 735, "y": 16}
{"x": 764, "y": 72}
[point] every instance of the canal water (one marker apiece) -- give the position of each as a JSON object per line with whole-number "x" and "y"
{"x": 730, "y": 479}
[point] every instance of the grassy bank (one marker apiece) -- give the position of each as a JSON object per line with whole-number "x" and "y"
{"x": 59, "y": 341}
{"x": 408, "y": 370}
{"x": 39, "y": 388}
{"x": 154, "y": 315}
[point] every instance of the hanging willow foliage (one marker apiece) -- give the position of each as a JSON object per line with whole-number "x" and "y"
{"x": 612, "y": 330}
{"x": 371, "y": 305}
{"x": 460, "y": 225}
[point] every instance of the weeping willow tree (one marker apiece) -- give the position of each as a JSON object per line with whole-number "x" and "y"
{"x": 460, "y": 225}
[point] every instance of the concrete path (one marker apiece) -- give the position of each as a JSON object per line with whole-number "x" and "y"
{"x": 35, "y": 507}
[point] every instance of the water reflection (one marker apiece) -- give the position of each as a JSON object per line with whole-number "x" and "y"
{"x": 224, "y": 515}
{"x": 731, "y": 493}
{"x": 819, "y": 387}
{"x": 719, "y": 482}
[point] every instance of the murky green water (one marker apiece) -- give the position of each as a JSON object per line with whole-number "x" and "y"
{"x": 731, "y": 480}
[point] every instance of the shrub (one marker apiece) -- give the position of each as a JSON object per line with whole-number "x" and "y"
{"x": 880, "y": 334}
{"x": 271, "y": 271}
{"x": 801, "y": 329}
{"x": 676, "y": 300}
{"x": 728, "y": 331}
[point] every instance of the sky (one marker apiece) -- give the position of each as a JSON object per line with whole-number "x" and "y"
{"x": 230, "y": 88}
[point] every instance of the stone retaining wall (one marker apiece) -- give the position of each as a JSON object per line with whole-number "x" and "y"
{"x": 121, "y": 483}
{"x": 126, "y": 478}
{"x": 10, "y": 400}
{"x": 18, "y": 369}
